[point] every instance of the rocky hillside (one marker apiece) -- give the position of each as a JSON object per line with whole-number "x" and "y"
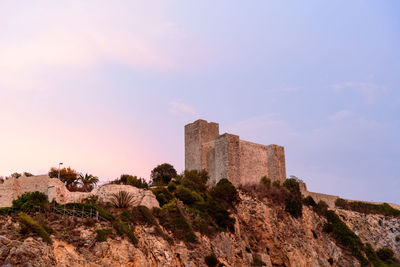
{"x": 263, "y": 234}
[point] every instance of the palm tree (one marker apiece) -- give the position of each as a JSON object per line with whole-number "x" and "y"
{"x": 88, "y": 181}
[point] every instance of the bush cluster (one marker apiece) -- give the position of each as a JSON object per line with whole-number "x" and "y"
{"x": 163, "y": 195}
{"x": 124, "y": 228}
{"x": 127, "y": 179}
{"x": 309, "y": 201}
{"x": 205, "y": 209}
{"x": 141, "y": 215}
{"x": 171, "y": 217}
{"x": 294, "y": 201}
{"x": 30, "y": 201}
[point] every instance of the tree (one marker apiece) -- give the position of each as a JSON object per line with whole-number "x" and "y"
{"x": 162, "y": 174}
{"x": 67, "y": 175}
{"x": 28, "y": 174}
{"x": 88, "y": 181}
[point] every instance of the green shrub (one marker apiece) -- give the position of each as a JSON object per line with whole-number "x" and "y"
{"x": 28, "y": 224}
{"x": 385, "y": 254}
{"x": 91, "y": 199}
{"x": 7, "y": 210}
{"x": 122, "y": 199}
{"x": 172, "y": 186}
{"x": 257, "y": 261}
{"x": 344, "y": 236}
{"x": 211, "y": 260}
{"x": 128, "y": 179}
{"x": 294, "y": 206}
{"x": 220, "y": 215}
{"x": 195, "y": 180}
{"x": 172, "y": 218}
{"x": 124, "y": 228}
{"x": 266, "y": 181}
{"x": 292, "y": 185}
{"x": 188, "y": 196}
{"x": 321, "y": 208}
{"x": 30, "y": 201}
{"x": 225, "y": 191}
{"x": 163, "y": 196}
{"x": 102, "y": 234}
{"x": 276, "y": 184}
{"x": 372, "y": 257}
{"x": 309, "y": 201}
{"x": 142, "y": 215}
{"x": 294, "y": 203}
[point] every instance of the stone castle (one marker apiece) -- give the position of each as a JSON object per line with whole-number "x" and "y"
{"x": 222, "y": 156}
{"x": 226, "y": 156}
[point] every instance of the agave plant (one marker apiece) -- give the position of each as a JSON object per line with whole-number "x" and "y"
{"x": 88, "y": 181}
{"x": 122, "y": 199}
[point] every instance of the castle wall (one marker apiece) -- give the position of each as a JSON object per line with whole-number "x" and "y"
{"x": 253, "y": 162}
{"x": 226, "y": 156}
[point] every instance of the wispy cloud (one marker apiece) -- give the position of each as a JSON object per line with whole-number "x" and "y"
{"x": 341, "y": 115}
{"x": 182, "y": 110}
{"x": 21, "y": 61}
{"x": 369, "y": 91}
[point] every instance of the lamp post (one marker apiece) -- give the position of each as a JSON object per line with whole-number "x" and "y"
{"x": 59, "y": 165}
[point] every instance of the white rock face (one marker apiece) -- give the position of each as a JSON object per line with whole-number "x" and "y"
{"x": 378, "y": 230}
{"x": 141, "y": 197}
{"x": 12, "y": 188}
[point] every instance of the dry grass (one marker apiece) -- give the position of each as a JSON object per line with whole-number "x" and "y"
{"x": 277, "y": 195}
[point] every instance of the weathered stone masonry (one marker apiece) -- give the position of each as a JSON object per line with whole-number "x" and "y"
{"x": 226, "y": 156}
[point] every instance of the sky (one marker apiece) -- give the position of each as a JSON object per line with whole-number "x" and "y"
{"x": 106, "y": 87}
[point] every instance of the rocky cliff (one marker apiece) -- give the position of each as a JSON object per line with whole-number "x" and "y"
{"x": 264, "y": 234}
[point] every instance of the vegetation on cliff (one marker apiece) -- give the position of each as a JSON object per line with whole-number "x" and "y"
{"x": 188, "y": 204}
{"x": 367, "y": 208}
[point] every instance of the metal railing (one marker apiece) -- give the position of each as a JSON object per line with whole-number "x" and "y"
{"x": 82, "y": 213}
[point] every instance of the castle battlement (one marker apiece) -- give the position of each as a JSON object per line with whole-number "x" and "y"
{"x": 226, "y": 156}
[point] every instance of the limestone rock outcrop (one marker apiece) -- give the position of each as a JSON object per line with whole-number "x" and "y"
{"x": 12, "y": 188}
